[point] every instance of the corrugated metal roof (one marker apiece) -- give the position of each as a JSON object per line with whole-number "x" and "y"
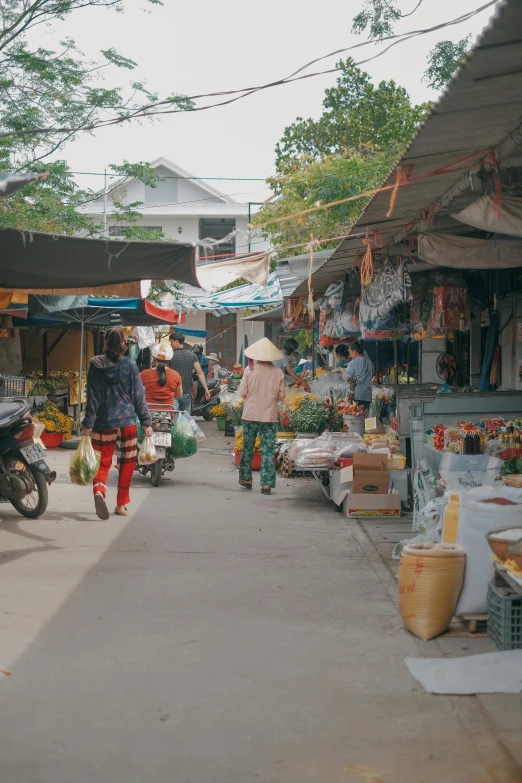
{"x": 293, "y": 271}
{"x": 481, "y": 109}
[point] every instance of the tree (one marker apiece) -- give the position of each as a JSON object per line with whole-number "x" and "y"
{"x": 358, "y": 117}
{"x": 378, "y": 18}
{"x": 42, "y": 88}
{"x": 347, "y": 151}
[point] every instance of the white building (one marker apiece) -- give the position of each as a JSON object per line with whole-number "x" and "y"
{"x": 188, "y": 209}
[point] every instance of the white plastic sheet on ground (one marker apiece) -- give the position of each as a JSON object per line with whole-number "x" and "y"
{"x": 469, "y": 253}
{"x": 483, "y": 214}
{"x": 499, "y": 672}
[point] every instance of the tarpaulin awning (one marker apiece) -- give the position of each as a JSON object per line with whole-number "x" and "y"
{"x": 469, "y": 253}
{"x": 240, "y": 298}
{"x": 253, "y": 267}
{"x": 103, "y": 312}
{"x": 483, "y": 214}
{"x": 39, "y": 262}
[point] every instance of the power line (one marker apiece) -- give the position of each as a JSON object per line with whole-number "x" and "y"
{"x": 148, "y": 111}
{"x": 208, "y": 179}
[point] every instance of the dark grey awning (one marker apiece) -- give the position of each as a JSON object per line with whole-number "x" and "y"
{"x": 40, "y": 262}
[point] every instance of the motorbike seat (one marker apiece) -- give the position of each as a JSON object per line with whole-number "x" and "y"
{"x": 213, "y": 383}
{"x": 10, "y": 411}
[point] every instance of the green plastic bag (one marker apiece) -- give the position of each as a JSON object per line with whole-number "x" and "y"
{"x": 184, "y": 441}
{"x": 141, "y": 431}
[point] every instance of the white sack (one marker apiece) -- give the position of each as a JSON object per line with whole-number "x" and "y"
{"x": 475, "y": 520}
{"x": 463, "y": 471}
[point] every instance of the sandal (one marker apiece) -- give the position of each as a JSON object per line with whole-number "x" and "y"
{"x": 266, "y": 490}
{"x": 102, "y": 512}
{"x": 246, "y": 484}
{"x": 121, "y": 512}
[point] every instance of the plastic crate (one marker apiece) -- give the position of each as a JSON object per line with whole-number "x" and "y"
{"x": 12, "y": 386}
{"x": 504, "y": 618}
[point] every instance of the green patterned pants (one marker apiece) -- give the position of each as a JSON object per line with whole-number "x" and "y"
{"x": 267, "y": 435}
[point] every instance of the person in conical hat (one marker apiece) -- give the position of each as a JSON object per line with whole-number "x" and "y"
{"x": 262, "y": 387}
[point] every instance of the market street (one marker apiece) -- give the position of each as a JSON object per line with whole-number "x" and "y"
{"x": 216, "y": 635}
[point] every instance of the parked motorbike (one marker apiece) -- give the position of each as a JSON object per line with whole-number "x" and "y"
{"x": 24, "y": 473}
{"x": 162, "y": 438}
{"x": 201, "y": 406}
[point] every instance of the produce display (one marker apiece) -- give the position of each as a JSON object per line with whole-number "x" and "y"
{"x": 494, "y": 437}
{"x": 54, "y": 420}
{"x": 85, "y": 463}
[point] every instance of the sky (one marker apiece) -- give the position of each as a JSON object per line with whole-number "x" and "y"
{"x": 204, "y": 46}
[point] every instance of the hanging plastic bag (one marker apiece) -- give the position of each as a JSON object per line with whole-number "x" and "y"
{"x": 184, "y": 441}
{"x": 85, "y": 463}
{"x": 147, "y": 453}
{"x": 196, "y": 429}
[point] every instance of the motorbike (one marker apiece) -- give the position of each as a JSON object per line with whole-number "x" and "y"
{"x": 201, "y": 406}
{"x": 24, "y": 473}
{"x": 162, "y": 439}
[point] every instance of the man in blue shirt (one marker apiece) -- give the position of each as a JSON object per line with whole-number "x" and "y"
{"x": 360, "y": 372}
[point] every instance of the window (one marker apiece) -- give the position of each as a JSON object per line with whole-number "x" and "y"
{"x": 217, "y": 228}
{"x": 151, "y": 228}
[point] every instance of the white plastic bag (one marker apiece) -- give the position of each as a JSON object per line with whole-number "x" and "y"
{"x": 147, "y": 453}
{"x": 429, "y": 526}
{"x": 318, "y": 453}
{"x": 423, "y": 489}
{"x": 480, "y": 513}
{"x": 196, "y": 429}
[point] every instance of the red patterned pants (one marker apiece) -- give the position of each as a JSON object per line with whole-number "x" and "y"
{"x": 125, "y": 441}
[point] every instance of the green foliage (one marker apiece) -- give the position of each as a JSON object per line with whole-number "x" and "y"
{"x": 156, "y": 291}
{"x": 313, "y": 184}
{"x": 378, "y": 18}
{"x": 444, "y": 59}
{"x": 358, "y": 117}
{"x": 347, "y": 151}
{"x": 65, "y": 94}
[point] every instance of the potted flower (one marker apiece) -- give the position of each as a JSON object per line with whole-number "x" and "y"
{"x": 238, "y": 450}
{"x": 220, "y": 414}
{"x": 57, "y": 425}
{"x": 234, "y": 411}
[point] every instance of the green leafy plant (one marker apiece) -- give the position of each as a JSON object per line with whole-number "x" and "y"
{"x": 311, "y": 416}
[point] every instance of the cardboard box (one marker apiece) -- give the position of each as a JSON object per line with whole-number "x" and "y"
{"x": 370, "y": 492}
{"x": 372, "y": 505}
{"x": 373, "y": 426}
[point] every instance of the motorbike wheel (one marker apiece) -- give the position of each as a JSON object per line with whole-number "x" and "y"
{"x": 207, "y": 415}
{"x": 34, "y": 504}
{"x": 156, "y": 472}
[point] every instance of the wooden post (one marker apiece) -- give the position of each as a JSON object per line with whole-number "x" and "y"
{"x": 45, "y": 354}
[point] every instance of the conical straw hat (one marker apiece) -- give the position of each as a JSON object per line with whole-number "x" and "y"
{"x": 263, "y": 351}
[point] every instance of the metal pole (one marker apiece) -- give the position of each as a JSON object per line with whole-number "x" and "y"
{"x": 396, "y": 361}
{"x": 408, "y": 352}
{"x": 313, "y": 353}
{"x": 80, "y": 377}
{"x": 104, "y": 204}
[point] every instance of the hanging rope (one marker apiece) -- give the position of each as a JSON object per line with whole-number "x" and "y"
{"x": 493, "y": 162}
{"x": 314, "y": 243}
{"x": 367, "y": 264}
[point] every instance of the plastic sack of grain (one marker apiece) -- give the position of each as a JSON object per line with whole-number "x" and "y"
{"x": 483, "y": 510}
{"x": 451, "y": 518}
{"x": 430, "y": 580}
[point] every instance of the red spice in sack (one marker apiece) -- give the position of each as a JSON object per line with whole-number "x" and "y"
{"x": 500, "y": 501}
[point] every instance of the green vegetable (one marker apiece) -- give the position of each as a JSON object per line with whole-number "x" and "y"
{"x": 511, "y": 466}
{"x": 85, "y": 463}
{"x": 184, "y": 442}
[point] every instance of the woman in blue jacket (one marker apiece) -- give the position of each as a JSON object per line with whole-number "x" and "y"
{"x": 115, "y": 396}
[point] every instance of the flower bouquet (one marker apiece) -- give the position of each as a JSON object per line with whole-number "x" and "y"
{"x": 54, "y": 420}
{"x": 311, "y": 416}
{"x": 234, "y": 411}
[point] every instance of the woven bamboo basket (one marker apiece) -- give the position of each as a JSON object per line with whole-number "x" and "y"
{"x": 430, "y": 581}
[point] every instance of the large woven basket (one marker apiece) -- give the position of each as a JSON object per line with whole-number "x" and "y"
{"x": 430, "y": 581}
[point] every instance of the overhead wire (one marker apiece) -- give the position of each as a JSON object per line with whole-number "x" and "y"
{"x": 148, "y": 111}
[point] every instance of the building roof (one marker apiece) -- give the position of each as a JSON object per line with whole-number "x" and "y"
{"x": 480, "y": 110}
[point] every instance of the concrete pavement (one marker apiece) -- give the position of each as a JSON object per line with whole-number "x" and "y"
{"x": 216, "y": 635}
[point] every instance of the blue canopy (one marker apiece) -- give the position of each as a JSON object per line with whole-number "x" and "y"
{"x": 244, "y": 296}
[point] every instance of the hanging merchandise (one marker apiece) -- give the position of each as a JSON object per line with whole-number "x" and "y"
{"x": 450, "y": 309}
{"x": 388, "y": 288}
{"x": 146, "y": 337}
{"x": 334, "y": 294}
{"x": 295, "y": 315}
